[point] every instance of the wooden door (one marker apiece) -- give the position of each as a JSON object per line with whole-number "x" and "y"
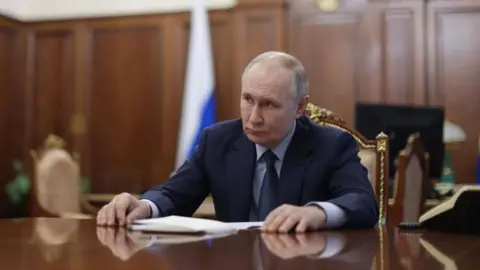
{"x": 453, "y": 73}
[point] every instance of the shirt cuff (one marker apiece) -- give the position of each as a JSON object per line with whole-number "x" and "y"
{"x": 335, "y": 216}
{"x": 153, "y": 208}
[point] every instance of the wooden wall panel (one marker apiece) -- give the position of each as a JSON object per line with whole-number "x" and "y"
{"x": 256, "y": 30}
{"x": 7, "y": 84}
{"x": 454, "y": 68}
{"x": 12, "y": 107}
{"x": 222, "y": 46}
{"x": 330, "y": 48}
{"x": 51, "y": 85}
{"x": 124, "y": 107}
{"x": 362, "y": 52}
{"x": 396, "y": 65}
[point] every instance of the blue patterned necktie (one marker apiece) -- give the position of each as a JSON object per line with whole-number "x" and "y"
{"x": 268, "y": 193}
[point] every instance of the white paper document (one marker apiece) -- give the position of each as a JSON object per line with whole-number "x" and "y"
{"x": 245, "y": 225}
{"x": 178, "y": 224}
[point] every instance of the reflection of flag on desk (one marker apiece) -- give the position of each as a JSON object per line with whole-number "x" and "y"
{"x": 198, "y": 108}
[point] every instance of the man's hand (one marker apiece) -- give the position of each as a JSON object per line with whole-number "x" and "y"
{"x": 122, "y": 210}
{"x": 288, "y": 217}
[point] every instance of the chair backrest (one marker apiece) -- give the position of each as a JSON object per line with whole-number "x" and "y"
{"x": 411, "y": 182}
{"x": 373, "y": 154}
{"x": 56, "y": 180}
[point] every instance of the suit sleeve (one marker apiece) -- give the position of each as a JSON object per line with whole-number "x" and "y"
{"x": 349, "y": 185}
{"x": 186, "y": 189}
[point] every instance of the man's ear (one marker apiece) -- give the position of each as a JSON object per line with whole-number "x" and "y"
{"x": 302, "y": 105}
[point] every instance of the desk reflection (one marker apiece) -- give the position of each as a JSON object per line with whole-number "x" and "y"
{"x": 52, "y": 235}
{"x": 424, "y": 250}
{"x": 41, "y": 243}
{"x": 249, "y": 250}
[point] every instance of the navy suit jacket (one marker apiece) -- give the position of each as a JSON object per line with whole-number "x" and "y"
{"x": 320, "y": 164}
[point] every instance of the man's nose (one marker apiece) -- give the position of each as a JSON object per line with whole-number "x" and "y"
{"x": 255, "y": 116}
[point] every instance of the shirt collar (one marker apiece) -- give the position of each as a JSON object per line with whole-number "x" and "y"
{"x": 280, "y": 149}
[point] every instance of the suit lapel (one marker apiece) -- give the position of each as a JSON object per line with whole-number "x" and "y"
{"x": 295, "y": 163}
{"x": 241, "y": 160}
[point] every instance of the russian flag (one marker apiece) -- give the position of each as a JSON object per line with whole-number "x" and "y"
{"x": 198, "y": 107}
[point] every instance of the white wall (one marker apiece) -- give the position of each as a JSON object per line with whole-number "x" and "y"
{"x": 12, "y": 8}
{"x": 30, "y": 10}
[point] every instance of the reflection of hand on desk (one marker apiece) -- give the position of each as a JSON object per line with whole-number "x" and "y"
{"x": 287, "y": 246}
{"x": 122, "y": 244}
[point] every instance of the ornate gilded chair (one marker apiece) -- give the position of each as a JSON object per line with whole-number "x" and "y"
{"x": 56, "y": 186}
{"x": 372, "y": 153}
{"x": 411, "y": 182}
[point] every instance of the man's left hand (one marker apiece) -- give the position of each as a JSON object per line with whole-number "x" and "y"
{"x": 288, "y": 217}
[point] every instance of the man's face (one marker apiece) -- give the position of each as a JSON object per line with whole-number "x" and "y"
{"x": 268, "y": 106}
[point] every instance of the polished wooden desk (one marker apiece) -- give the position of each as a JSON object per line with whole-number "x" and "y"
{"x": 79, "y": 244}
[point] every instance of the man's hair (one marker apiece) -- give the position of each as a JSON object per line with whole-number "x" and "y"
{"x": 299, "y": 76}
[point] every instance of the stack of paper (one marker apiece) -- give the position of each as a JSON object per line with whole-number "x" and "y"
{"x": 187, "y": 225}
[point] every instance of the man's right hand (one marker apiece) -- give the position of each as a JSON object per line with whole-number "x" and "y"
{"x": 122, "y": 210}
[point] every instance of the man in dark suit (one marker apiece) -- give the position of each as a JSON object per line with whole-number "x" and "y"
{"x": 272, "y": 165}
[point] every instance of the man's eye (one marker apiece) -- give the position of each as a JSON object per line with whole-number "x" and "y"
{"x": 270, "y": 104}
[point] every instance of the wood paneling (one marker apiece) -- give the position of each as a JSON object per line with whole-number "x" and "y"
{"x": 454, "y": 68}
{"x": 395, "y": 50}
{"x": 12, "y": 108}
{"x": 256, "y": 30}
{"x": 51, "y": 85}
{"x": 7, "y": 110}
{"x": 330, "y": 48}
{"x": 124, "y": 107}
{"x": 361, "y": 52}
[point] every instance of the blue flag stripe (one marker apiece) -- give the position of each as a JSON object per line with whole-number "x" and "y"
{"x": 207, "y": 119}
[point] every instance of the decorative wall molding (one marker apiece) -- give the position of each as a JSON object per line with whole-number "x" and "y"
{"x": 48, "y": 10}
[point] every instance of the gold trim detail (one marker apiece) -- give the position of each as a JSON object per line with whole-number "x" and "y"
{"x": 77, "y": 124}
{"x": 357, "y": 139}
{"x": 381, "y": 217}
{"x": 382, "y": 142}
{"x": 54, "y": 141}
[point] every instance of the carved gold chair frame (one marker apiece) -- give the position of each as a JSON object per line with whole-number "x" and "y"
{"x": 54, "y": 142}
{"x": 380, "y": 146}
